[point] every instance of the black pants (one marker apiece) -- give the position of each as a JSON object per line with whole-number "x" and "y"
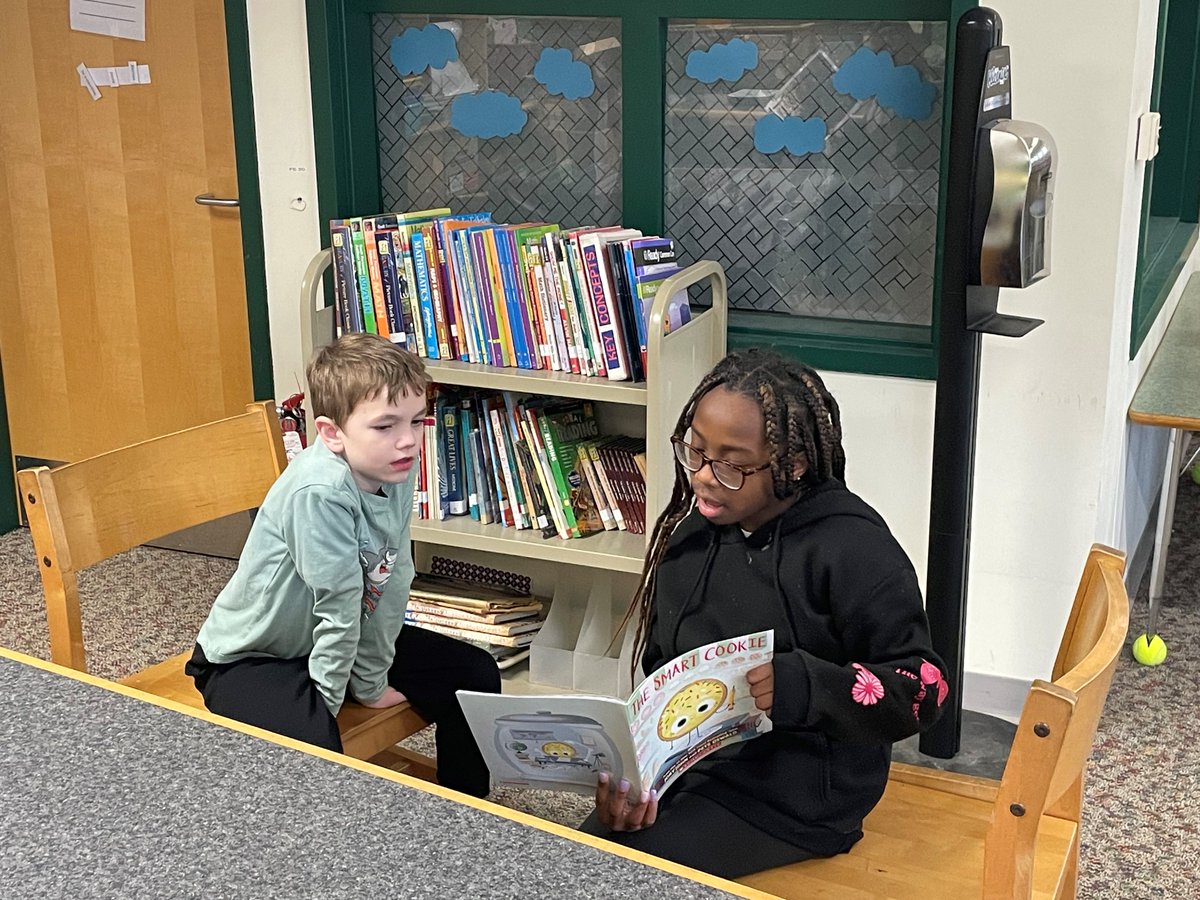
{"x": 694, "y": 831}
{"x": 278, "y": 695}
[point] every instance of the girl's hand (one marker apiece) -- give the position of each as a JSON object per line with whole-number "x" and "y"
{"x": 762, "y": 686}
{"x": 389, "y": 697}
{"x": 619, "y": 811}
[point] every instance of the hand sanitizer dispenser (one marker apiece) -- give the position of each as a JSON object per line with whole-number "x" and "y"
{"x": 1015, "y": 248}
{"x": 1012, "y": 196}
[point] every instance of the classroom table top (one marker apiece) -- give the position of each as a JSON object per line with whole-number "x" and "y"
{"x": 1169, "y": 393}
{"x": 105, "y": 792}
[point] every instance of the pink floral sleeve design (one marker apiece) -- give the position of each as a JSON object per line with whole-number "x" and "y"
{"x": 868, "y": 689}
{"x": 932, "y": 675}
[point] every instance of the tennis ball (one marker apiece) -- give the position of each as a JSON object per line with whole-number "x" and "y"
{"x": 1196, "y": 473}
{"x": 1151, "y": 652}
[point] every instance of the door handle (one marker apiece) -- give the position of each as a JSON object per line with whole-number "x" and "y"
{"x": 210, "y": 200}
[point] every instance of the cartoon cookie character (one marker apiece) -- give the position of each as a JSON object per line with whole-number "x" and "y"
{"x": 690, "y": 707}
{"x": 559, "y": 750}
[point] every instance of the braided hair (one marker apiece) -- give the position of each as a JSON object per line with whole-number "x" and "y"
{"x": 801, "y": 421}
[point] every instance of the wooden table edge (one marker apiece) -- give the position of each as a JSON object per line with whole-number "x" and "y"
{"x": 1188, "y": 423}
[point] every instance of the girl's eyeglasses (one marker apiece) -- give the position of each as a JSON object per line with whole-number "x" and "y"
{"x": 730, "y": 475}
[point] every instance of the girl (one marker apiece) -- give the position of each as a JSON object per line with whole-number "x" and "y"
{"x": 762, "y": 533}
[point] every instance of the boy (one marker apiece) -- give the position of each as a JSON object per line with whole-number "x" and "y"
{"x": 315, "y": 608}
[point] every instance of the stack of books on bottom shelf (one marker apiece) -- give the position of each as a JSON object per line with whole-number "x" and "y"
{"x": 502, "y": 620}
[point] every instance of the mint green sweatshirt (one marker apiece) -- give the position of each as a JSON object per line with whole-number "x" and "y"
{"x": 324, "y": 574}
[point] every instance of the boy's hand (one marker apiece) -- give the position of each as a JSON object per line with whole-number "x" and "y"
{"x": 620, "y": 812}
{"x": 762, "y": 686}
{"x": 389, "y": 697}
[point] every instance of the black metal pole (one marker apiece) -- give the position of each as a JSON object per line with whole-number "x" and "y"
{"x": 956, "y": 409}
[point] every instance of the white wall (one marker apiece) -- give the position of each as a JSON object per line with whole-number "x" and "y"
{"x": 1050, "y": 462}
{"x": 286, "y": 172}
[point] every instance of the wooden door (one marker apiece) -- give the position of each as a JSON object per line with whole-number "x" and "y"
{"x": 122, "y": 301}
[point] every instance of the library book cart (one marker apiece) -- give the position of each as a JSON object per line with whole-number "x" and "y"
{"x": 590, "y": 580}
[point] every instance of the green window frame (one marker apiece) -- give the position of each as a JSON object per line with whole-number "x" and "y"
{"x": 347, "y": 154}
{"x": 1171, "y": 189}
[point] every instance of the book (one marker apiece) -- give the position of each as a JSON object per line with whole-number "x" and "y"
{"x": 526, "y": 611}
{"x": 686, "y": 709}
{"x": 485, "y": 630}
{"x": 345, "y": 280}
{"x": 450, "y": 452}
{"x": 467, "y": 594}
{"x": 375, "y": 277}
{"x": 425, "y": 300}
{"x": 363, "y": 274}
{"x": 595, "y": 494}
{"x": 502, "y": 640}
{"x": 606, "y": 487}
{"x": 610, "y": 332}
{"x": 395, "y": 287}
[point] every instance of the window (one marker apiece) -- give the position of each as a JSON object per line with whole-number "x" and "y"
{"x": 1171, "y": 193}
{"x": 830, "y": 244}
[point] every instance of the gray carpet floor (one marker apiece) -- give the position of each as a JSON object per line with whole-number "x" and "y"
{"x": 1141, "y": 835}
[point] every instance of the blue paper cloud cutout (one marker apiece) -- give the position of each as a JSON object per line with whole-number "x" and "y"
{"x": 799, "y": 136}
{"x": 868, "y": 74}
{"x": 487, "y": 115}
{"x": 417, "y": 49}
{"x": 562, "y": 74}
{"x": 722, "y": 62}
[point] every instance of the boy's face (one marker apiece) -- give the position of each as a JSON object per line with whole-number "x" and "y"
{"x": 380, "y": 441}
{"x": 729, "y": 426}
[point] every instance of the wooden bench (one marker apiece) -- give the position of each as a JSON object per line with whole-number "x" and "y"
{"x": 85, "y": 512}
{"x": 941, "y": 836}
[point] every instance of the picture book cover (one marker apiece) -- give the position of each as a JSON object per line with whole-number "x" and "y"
{"x": 683, "y": 711}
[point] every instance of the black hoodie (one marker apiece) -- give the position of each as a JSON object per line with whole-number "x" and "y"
{"x": 854, "y": 671}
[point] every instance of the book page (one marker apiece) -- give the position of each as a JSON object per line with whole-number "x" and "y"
{"x": 551, "y": 742}
{"x": 696, "y": 704}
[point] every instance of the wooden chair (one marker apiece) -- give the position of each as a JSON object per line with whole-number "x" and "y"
{"x": 939, "y": 835}
{"x": 85, "y": 512}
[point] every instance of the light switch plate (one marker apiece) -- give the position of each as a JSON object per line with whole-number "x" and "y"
{"x": 1147, "y": 136}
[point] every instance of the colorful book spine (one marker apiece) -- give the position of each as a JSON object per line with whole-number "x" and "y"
{"x": 624, "y": 306}
{"x": 487, "y": 304}
{"x": 364, "y": 276}
{"x": 610, "y": 496}
{"x": 507, "y": 465}
{"x": 583, "y": 465}
{"x": 390, "y": 280}
{"x": 552, "y": 244}
{"x": 503, "y": 503}
{"x": 345, "y": 280}
{"x": 555, "y": 353}
{"x": 491, "y": 271}
{"x": 420, "y": 260}
{"x": 608, "y": 322}
{"x": 554, "y": 462}
{"x": 528, "y": 316}
{"x": 437, "y": 298}
{"x": 586, "y": 310}
{"x": 409, "y": 304}
{"x": 378, "y": 302}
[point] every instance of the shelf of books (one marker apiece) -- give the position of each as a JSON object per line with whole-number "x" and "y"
{"x": 560, "y": 361}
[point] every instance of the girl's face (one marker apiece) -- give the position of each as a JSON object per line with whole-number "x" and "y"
{"x": 729, "y": 426}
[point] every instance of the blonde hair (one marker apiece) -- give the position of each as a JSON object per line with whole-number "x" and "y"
{"x": 355, "y": 368}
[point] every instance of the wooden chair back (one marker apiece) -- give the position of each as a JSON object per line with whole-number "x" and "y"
{"x": 1044, "y": 773}
{"x": 84, "y": 512}
{"x": 939, "y": 834}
